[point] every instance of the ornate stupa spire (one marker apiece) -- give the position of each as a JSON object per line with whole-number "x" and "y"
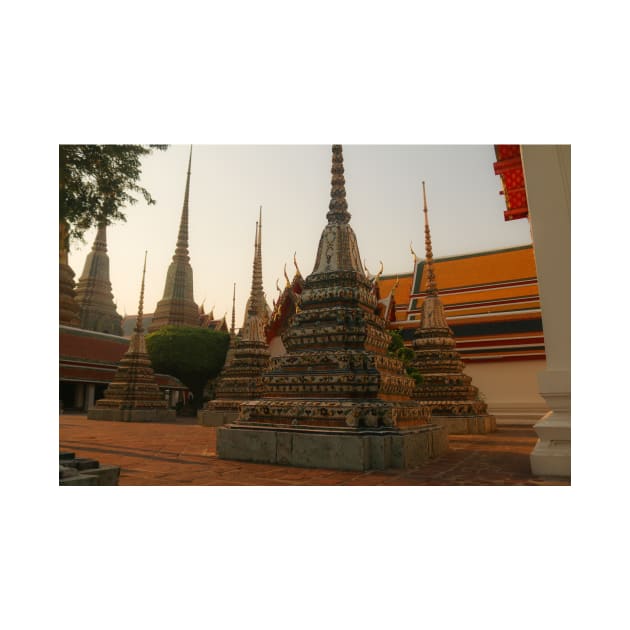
{"x": 336, "y": 399}
{"x": 431, "y": 282}
{"x": 247, "y": 356}
{"x": 134, "y": 395}
{"x": 139, "y": 327}
{"x": 338, "y": 206}
{"x": 454, "y": 401}
{"x": 177, "y": 306}
{"x": 68, "y": 307}
{"x": 432, "y": 310}
{"x": 233, "y": 326}
{"x": 338, "y": 249}
{"x": 257, "y": 301}
{"x": 94, "y": 290}
{"x": 181, "y": 248}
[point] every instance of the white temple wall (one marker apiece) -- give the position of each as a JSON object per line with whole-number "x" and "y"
{"x": 510, "y": 388}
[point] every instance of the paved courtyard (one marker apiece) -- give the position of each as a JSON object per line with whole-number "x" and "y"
{"x": 184, "y": 453}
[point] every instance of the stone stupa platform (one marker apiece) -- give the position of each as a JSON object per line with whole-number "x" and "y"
{"x": 366, "y": 449}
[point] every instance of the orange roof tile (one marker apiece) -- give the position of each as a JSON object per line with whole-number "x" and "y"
{"x": 500, "y": 266}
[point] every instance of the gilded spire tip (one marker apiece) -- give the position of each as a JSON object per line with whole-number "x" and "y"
{"x": 431, "y": 282}
{"x": 338, "y": 206}
{"x": 297, "y": 269}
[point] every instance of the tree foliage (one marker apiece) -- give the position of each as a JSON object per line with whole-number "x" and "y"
{"x": 398, "y": 349}
{"x": 193, "y": 355}
{"x": 97, "y": 180}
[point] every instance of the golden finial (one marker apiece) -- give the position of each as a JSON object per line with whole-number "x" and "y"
{"x": 286, "y": 276}
{"x": 139, "y": 328}
{"x": 367, "y": 271}
{"x": 297, "y": 269}
{"x": 395, "y": 284}
{"x": 278, "y": 285}
{"x": 377, "y": 277}
{"x": 232, "y": 328}
{"x": 431, "y": 282}
{"x": 415, "y": 258}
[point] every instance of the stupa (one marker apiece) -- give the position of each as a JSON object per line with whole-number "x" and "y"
{"x": 177, "y": 306}
{"x": 68, "y": 307}
{"x": 336, "y": 399}
{"x": 248, "y": 354}
{"x": 94, "y": 290}
{"x": 134, "y": 395}
{"x": 257, "y": 299}
{"x": 454, "y": 401}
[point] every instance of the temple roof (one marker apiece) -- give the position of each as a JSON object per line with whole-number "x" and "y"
{"x": 92, "y": 357}
{"x": 510, "y": 168}
{"x": 490, "y": 300}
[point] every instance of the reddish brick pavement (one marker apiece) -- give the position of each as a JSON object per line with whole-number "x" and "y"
{"x": 184, "y": 453}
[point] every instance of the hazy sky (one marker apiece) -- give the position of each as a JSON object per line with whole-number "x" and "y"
{"x": 292, "y": 183}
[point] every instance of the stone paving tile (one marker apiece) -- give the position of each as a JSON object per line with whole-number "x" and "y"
{"x": 184, "y": 453}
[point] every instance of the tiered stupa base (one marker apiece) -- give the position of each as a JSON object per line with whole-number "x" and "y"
{"x": 466, "y": 424}
{"x": 454, "y": 403}
{"x": 332, "y": 434}
{"x": 131, "y": 415}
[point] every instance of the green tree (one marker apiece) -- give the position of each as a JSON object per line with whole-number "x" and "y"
{"x": 398, "y": 349}
{"x": 96, "y": 181}
{"x": 193, "y": 355}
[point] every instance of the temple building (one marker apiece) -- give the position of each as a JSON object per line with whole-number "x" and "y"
{"x": 88, "y": 362}
{"x": 68, "y": 307}
{"x": 177, "y": 306}
{"x": 336, "y": 399}
{"x": 454, "y": 401}
{"x": 491, "y": 304}
{"x": 284, "y": 308}
{"x": 248, "y": 354}
{"x": 134, "y": 394}
{"x": 94, "y": 290}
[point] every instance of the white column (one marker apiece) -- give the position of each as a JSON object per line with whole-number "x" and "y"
{"x": 547, "y": 171}
{"x": 89, "y": 395}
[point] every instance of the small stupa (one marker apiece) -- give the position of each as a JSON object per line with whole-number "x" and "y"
{"x": 177, "y": 306}
{"x": 94, "y": 290}
{"x": 336, "y": 399}
{"x": 257, "y": 299}
{"x": 68, "y": 307}
{"x": 454, "y": 401}
{"x": 134, "y": 395}
{"x": 247, "y": 357}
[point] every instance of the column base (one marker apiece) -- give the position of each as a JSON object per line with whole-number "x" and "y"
{"x": 551, "y": 456}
